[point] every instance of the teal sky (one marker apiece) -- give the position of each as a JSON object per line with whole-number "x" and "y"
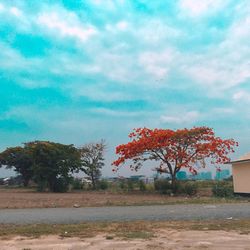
{"x": 76, "y": 71}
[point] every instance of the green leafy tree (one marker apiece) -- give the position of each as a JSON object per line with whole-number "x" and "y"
{"x": 93, "y": 160}
{"x": 20, "y": 159}
{"x": 53, "y": 164}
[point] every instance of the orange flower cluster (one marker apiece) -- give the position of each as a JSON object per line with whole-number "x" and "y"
{"x": 175, "y": 149}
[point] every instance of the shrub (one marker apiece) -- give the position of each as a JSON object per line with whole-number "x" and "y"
{"x": 41, "y": 186}
{"x": 150, "y": 187}
{"x": 223, "y": 189}
{"x": 103, "y": 185}
{"x": 163, "y": 186}
{"x": 130, "y": 185}
{"x": 77, "y": 184}
{"x": 189, "y": 188}
{"x": 142, "y": 186}
{"x": 61, "y": 185}
{"x": 122, "y": 185}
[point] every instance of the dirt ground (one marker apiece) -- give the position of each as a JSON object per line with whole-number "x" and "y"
{"x": 163, "y": 239}
{"x": 28, "y": 198}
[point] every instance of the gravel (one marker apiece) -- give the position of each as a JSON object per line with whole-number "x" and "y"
{"x": 129, "y": 213}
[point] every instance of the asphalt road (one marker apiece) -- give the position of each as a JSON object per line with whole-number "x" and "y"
{"x": 92, "y": 214}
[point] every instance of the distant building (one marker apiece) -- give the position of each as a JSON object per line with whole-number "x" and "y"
{"x": 222, "y": 174}
{"x": 202, "y": 176}
{"x": 137, "y": 177}
{"x": 206, "y": 175}
{"x": 181, "y": 175}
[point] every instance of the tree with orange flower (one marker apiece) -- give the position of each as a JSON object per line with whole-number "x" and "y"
{"x": 174, "y": 149}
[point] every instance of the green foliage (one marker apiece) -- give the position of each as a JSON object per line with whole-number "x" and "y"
{"x": 21, "y": 160}
{"x": 61, "y": 185}
{"x": 150, "y": 187}
{"x": 223, "y": 189}
{"x": 49, "y": 164}
{"x": 189, "y": 188}
{"x": 121, "y": 185}
{"x": 163, "y": 186}
{"x": 42, "y": 185}
{"x": 130, "y": 185}
{"x": 77, "y": 184}
{"x": 142, "y": 186}
{"x": 53, "y": 164}
{"x": 103, "y": 185}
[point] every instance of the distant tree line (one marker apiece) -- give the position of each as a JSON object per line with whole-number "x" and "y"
{"x": 51, "y": 165}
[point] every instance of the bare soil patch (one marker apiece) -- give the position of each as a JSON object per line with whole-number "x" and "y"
{"x": 164, "y": 239}
{"x": 28, "y": 198}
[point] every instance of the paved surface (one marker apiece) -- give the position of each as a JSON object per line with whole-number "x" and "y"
{"x": 162, "y": 212}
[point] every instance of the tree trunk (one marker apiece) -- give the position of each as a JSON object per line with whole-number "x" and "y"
{"x": 93, "y": 181}
{"x": 174, "y": 183}
{"x": 26, "y": 182}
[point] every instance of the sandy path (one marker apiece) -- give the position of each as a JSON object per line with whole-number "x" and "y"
{"x": 165, "y": 239}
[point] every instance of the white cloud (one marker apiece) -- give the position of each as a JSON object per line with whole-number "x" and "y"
{"x": 157, "y": 64}
{"x": 1, "y": 7}
{"x": 197, "y": 8}
{"x": 122, "y": 25}
{"x": 242, "y": 96}
{"x": 116, "y": 113}
{"x": 16, "y": 12}
{"x": 220, "y": 74}
{"x": 185, "y": 118}
{"x": 68, "y": 25}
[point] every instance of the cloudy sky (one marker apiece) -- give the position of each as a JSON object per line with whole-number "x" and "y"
{"x": 76, "y": 71}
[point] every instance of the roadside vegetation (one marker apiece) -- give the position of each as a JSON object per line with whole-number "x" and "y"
{"x": 125, "y": 230}
{"x": 121, "y": 193}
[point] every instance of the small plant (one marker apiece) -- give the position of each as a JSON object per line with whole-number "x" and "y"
{"x": 223, "y": 189}
{"x": 130, "y": 186}
{"x": 189, "y": 188}
{"x": 142, "y": 186}
{"x": 77, "y": 184}
{"x": 103, "y": 185}
{"x": 61, "y": 185}
{"x": 163, "y": 186}
{"x": 122, "y": 185}
{"x": 109, "y": 237}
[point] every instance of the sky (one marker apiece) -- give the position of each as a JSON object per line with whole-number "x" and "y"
{"x": 77, "y": 71}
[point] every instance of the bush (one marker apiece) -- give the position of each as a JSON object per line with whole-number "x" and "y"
{"x": 61, "y": 185}
{"x": 103, "y": 185}
{"x": 150, "y": 187}
{"x": 189, "y": 188}
{"x": 163, "y": 186}
{"x": 142, "y": 186}
{"x": 130, "y": 185}
{"x": 223, "y": 189}
{"x": 42, "y": 186}
{"x": 77, "y": 184}
{"x": 122, "y": 185}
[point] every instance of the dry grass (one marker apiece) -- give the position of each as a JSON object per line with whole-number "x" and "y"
{"x": 28, "y": 198}
{"x": 126, "y": 230}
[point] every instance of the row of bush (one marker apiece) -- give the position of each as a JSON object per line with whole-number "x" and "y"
{"x": 181, "y": 187}
{"x": 162, "y": 186}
